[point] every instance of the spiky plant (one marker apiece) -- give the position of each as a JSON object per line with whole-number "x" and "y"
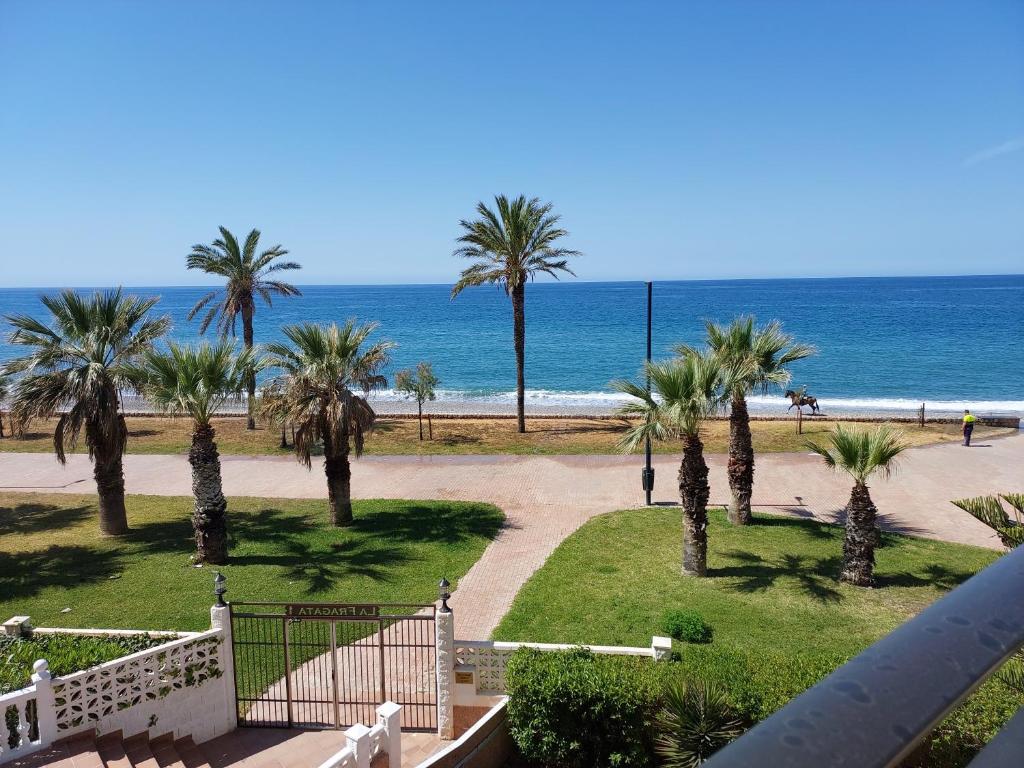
{"x": 861, "y": 454}
{"x": 759, "y": 357}
{"x": 247, "y": 275}
{"x": 683, "y": 394}
{"x": 324, "y": 367}
{"x": 77, "y": 365}
{"x": 990, "y": 511}
{"x": 195, "y": 381}
{"x": 509, "y": 248}
{"x": 694, "y": 722}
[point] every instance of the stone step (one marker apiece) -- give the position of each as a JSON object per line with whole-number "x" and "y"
{"x": 139, "y": 752}
{"x": 191, "y": 755}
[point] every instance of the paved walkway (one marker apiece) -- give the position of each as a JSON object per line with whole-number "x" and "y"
{"x": 546, "y": 498}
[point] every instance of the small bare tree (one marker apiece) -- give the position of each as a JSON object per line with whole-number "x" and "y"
{"x": 419, "y": 384}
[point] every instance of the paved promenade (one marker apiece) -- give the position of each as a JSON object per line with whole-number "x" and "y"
{"x": 546, "y": 498}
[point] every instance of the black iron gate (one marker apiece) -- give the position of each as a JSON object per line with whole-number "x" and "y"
{"x": 329, "y": 665}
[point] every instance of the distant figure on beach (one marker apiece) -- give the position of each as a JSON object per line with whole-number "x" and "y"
{"x": 969, "y": 420}
{"x": 800, "y": 398}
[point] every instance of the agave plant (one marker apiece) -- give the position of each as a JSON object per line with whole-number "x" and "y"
{"x": 990, "y": 511}
{"x": 694, "y": 722}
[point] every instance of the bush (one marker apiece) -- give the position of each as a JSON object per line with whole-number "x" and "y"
{"x": 66, "y": 653}
{"x": 687, "y": 626}
{"x": 573, "y": 709}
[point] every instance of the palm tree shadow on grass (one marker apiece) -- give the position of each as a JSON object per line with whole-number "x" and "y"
{"x": 321, "y": 569}
{"x": 25, "y": 574}
{"x": 814, "y": 577}
{"x": 812, "y": 529}
{"x": 34, "y": 518}
{"x": 421, "y": 523}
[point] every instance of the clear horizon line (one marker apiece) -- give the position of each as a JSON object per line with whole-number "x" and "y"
{"x": 905, "y": 276}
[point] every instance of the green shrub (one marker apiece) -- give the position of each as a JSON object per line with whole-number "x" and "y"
{"x": 573, "y": 709}
{"x": 65, "y": 653}
{"x": 686, "y": 625}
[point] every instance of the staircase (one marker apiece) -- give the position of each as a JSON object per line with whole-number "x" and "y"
{"x": 113, "y": 751}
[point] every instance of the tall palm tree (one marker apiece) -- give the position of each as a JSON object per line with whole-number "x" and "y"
{"x": 248, "y": 275}
{"x": 510, "y": 247}
{"x": 196, "y": 381}
{"x": 861, "y": 453}
{"x": 684, "y": 392}
{"x": 760, "y": 358}
{"x": 5, "y": 388}
{"x": 76, "y": 369}
{"x": 323, "y": 365}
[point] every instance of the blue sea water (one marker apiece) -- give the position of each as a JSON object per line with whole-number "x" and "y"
{"x": 883, "y": 342}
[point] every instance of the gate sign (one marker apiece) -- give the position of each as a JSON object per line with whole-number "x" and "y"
{"x": 327, "y": 612}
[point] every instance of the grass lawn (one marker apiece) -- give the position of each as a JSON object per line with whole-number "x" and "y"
{"x": 772, "y": 584}
{"x": 155, "y": 434}
{"x": 52, "y": 557}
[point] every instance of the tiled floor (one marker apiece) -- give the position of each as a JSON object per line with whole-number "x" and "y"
{"x": 546, "y": 498}
{"x": 283, "y": 748}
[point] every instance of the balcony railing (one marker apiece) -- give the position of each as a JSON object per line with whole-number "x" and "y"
{"x": 875, "y": 709}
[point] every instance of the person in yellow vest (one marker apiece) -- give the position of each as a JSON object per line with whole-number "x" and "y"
{"x": 968, "y": 427}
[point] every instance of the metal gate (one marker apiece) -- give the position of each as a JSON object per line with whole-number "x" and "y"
{"x": 329, "y": 665}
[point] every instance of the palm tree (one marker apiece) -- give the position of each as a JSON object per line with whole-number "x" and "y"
{"x": 511, "y": 247}
{"x": 323, "y": 365}
{"x": 247, "y": 274}
{"x": 684, "y": 392}
{"x": 196, "y": 381}
{"x": 5, "y": 387}
{"x": 76, "y": 369}
{"x": 861, "y": 454}
{"x": 760, "y": 358}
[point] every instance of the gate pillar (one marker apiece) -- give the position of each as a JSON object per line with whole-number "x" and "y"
{"x": 445, "y": 666}
{"x": 220, "y": 618}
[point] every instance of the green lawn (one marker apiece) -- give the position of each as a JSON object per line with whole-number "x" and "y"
{"x": 772, "y": 584}
{"x": 52, "y": 557}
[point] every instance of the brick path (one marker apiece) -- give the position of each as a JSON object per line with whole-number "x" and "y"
{"x": 547, "y": 498}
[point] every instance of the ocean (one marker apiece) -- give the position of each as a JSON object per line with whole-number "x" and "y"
{"x": 884, "y": 344}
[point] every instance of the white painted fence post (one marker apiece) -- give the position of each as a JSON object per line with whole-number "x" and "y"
{"x": 358, "y": 737}
{"x": 445, "y": 624}
{"x": 46, "y": 708}
{"x": 389, "y": 715}
{"x": 661, "y": 648}
{"x": 220, "y": 618}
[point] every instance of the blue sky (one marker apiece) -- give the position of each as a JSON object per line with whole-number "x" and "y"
{"x": 678, "y": 140}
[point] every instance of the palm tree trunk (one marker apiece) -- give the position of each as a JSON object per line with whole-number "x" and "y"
{"x": 339, "y": 486}
{"x": 1, "y": 424}
{"x": 741, "y": 462}
{"x": 109, "y": 475}
{"x": 860, "y": 539}
{"x": 519, "y": 339}
{"x": 250, "y": 383}
{"x": 209, "y": 517}
{"x": 693, "y": 493}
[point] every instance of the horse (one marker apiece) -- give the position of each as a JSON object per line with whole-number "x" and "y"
{"x": 798, "y": 400}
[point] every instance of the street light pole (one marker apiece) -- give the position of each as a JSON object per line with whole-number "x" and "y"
{"x": 648, "y": 473}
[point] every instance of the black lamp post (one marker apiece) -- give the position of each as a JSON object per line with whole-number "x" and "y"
{"x": 443, "y": 592}
{"x": 647, "y": 475}
{"x": 219, "y": 587}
